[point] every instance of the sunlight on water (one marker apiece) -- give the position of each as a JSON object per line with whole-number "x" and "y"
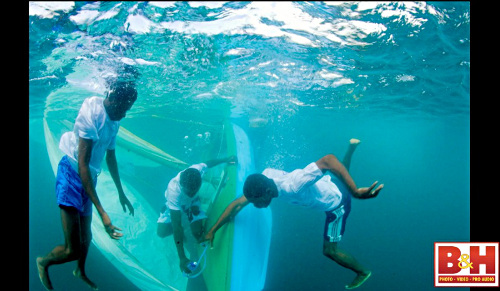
{"x": 345, "y": 52}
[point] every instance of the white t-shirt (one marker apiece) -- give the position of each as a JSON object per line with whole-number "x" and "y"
{"x": 174, "y": 196}
{"x": 92, "y": 123}
{"x": 307, "y": 187}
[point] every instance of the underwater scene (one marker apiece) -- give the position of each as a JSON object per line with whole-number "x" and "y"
{"x": 278, "y": 85}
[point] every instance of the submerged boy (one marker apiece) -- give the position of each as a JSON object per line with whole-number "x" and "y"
{"x": 311, "y": 188}
{"x": 181, "y": 197}
{"x": 92, "y": 138}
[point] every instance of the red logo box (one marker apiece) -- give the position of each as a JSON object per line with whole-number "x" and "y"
{"x": 466, "y": 264}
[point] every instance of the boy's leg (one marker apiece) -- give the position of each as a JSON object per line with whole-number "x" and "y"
{"x": 70, "y": 251}
{"x": 331, "y": 250}
{"x": 164, "y": 223}
{"x": 197, "y": 229}
{"x": 164, "y": 229}
{"x": 86, "y": 235}
{"x": 346, "y": 260}
{"x": 353, "y": 143}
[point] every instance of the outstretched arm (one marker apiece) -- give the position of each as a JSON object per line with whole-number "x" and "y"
{"x": 332, "y": 164}
{"x": 113, "y": 170}
{"x": 84, "y": 154}
{"x": 229, "y": 160}
{"x": 230, "y": 212}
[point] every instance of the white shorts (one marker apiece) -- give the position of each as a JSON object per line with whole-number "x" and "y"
{"x": 165, "y": 216}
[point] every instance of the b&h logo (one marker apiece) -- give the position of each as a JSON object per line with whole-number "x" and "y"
{"x": 466, "y": 264}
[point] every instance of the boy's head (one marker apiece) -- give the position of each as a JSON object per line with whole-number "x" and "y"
{"x": 259, "y": 190}
{"x": 190, "y": 181}
{"x": 121, "y": 97}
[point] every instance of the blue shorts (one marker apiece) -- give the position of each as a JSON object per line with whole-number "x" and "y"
{"x": 69, "y": 189}
{"x": 336, "y": 220}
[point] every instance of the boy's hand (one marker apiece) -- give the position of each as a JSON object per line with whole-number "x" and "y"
{"x": 112, "y": 231}
{"x": 110, "y": 228}
{"x": 183, "y": 265}
{"x": 368, "y": 192}
{"x": 125, "y": 202}
{"x": 209, "y": 237}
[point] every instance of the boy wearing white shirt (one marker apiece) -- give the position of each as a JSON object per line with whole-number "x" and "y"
{"x": 181, "y": 198}
{"x": 92, "y": 138}
{"x": 310, "y": 187}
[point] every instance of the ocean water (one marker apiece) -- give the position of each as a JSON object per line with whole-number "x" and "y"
{"x": 301, "y": 78}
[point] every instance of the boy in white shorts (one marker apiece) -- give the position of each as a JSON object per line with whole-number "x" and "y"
{"x": 311, "y": 188}
{"x": 181, "y": 198}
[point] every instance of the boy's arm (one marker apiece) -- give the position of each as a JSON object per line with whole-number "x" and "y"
{"x": 230, "y": 212}
{"x": 213, "y": 163}
{"x": 332, "y": 164}
{"x": 113, "y": 170}
{"x": 84, "y": 154}
{"x": 175, "y": 215}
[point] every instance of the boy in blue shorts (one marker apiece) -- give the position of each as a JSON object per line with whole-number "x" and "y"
{"x": 92, "y": 138}
{"x": 311, "y": 188}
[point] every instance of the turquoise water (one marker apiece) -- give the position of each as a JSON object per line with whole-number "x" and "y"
{"x": 301, "y": 79}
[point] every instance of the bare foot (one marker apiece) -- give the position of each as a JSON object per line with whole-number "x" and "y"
{"x": 77, "y": 273}
{"x": 359, "y": 280}
{"x": 43, "y": 273}
{"x": 354, "y": 141}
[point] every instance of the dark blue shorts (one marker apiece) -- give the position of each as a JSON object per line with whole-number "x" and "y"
{"x": 69, "y": 189}
{"x": 336, "y": 220}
